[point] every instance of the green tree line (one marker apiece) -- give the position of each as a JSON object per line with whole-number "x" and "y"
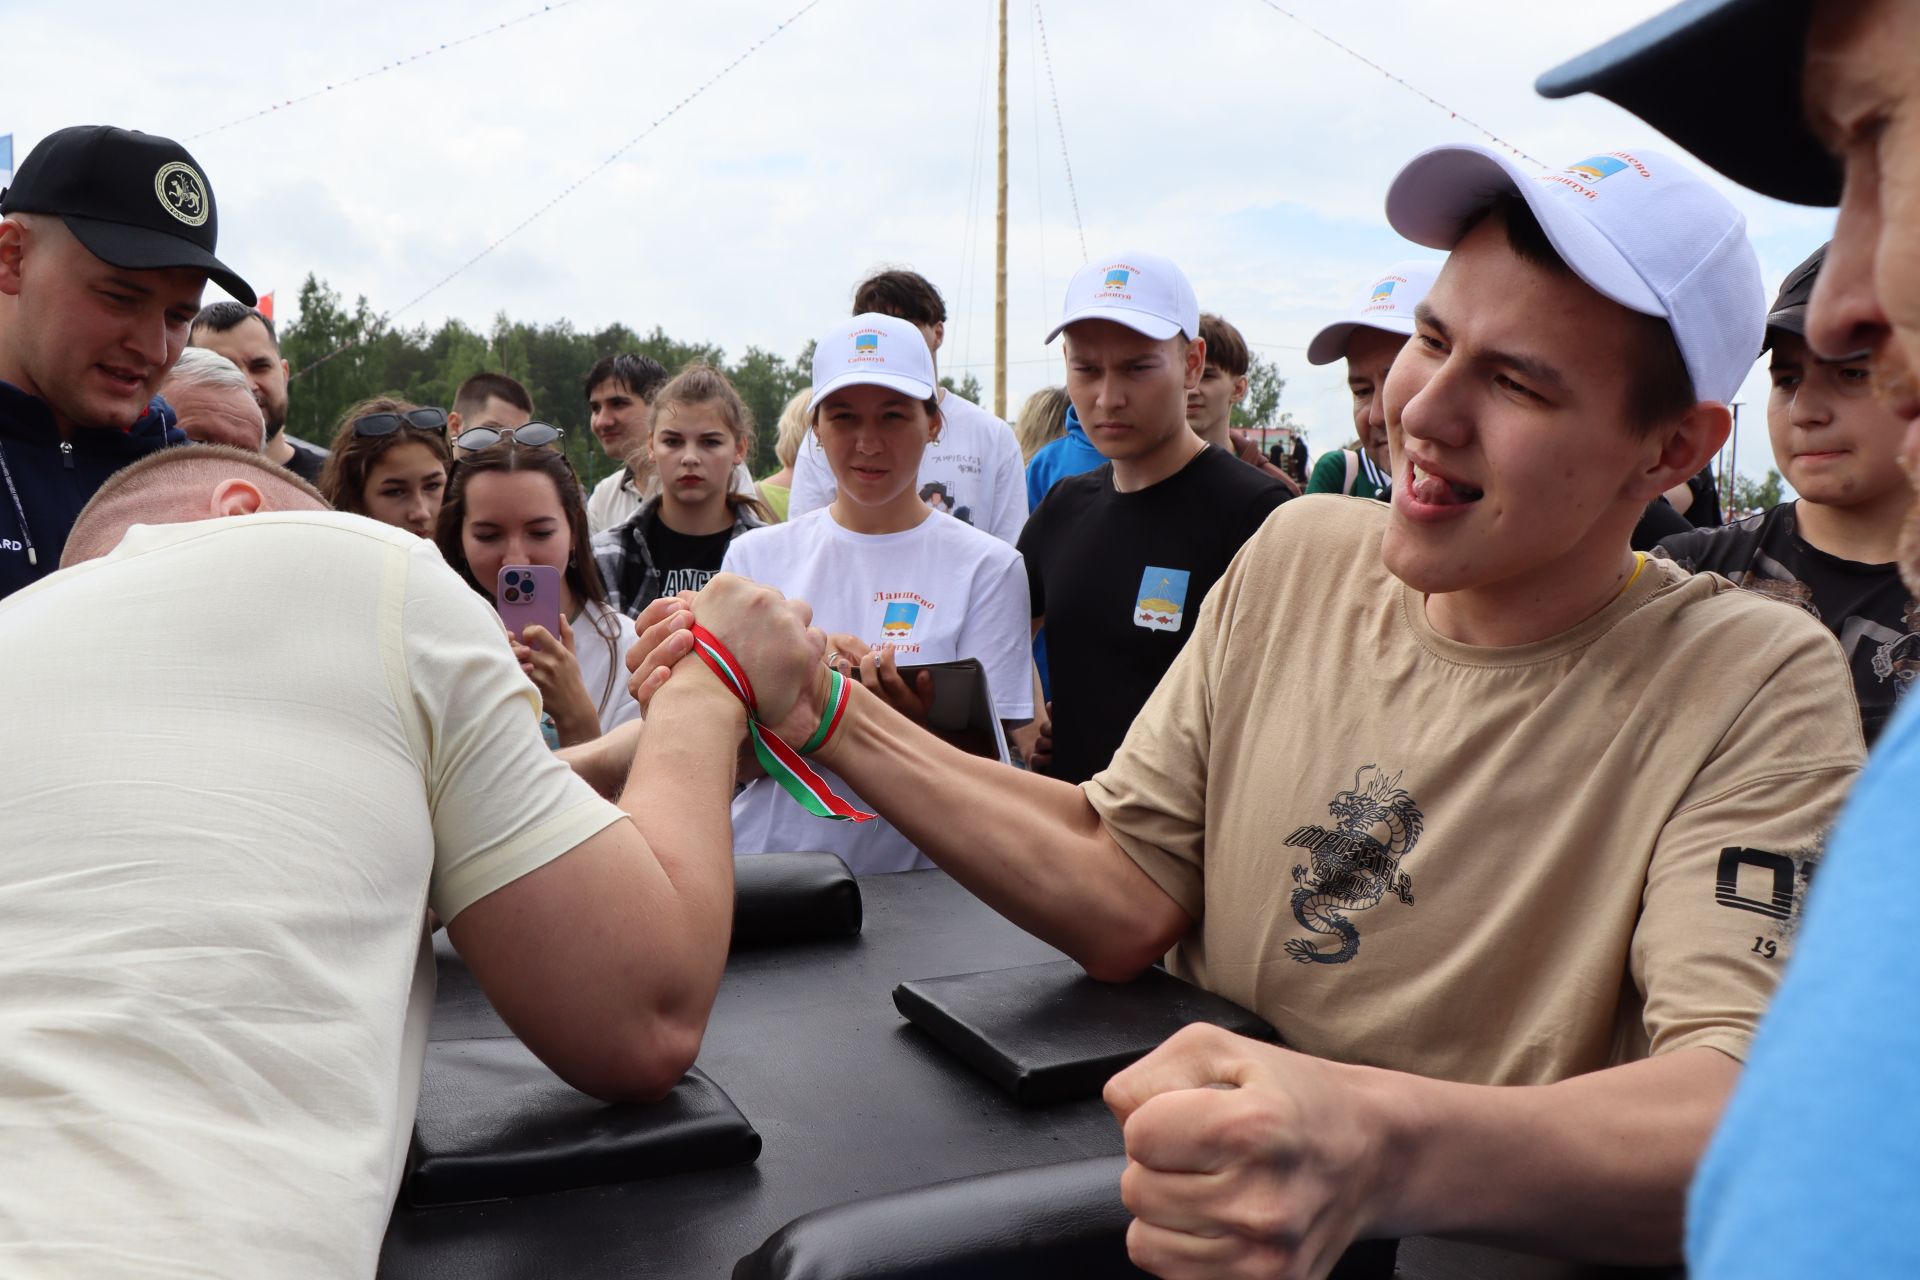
{"x": 342, "y": 354}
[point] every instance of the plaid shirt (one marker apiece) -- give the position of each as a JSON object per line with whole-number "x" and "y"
{"x": 626, "y": 562}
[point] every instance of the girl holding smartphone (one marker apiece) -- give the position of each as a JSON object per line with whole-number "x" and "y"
{"x": 884, "y": 572}
{"x": 515, "y": 502}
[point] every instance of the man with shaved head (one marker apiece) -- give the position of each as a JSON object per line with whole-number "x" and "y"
{"x": 214, "y": 982}
{"x": 213, "y": 402}
{"x": 106, "y": 242}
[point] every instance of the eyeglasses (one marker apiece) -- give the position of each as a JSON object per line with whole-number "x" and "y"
{"x": 385, "y": 424}
{"x": 533, "y": 435}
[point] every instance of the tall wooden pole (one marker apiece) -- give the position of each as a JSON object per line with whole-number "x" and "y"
{"x": 1000, "y": 243}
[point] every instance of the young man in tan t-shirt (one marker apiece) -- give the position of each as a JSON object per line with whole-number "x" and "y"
{"x": 1503, "y": 826}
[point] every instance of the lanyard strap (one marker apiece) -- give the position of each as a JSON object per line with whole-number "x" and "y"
{"x": 782, "y": 763}
{"x": 1375, "y": 475}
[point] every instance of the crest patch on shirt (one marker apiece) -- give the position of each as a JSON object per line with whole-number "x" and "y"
{"x": 1162, "y": 599}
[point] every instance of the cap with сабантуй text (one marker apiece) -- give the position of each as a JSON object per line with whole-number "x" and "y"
{"x": 1387, "y": 306}
{"x": 872, "y": 350}
{"x": 1143, "y": 291}
{"x": 1638, "y": 227}
{"x": 135, "y": 200}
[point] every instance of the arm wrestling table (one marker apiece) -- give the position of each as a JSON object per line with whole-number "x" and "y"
{"x": 849, "y": 1100}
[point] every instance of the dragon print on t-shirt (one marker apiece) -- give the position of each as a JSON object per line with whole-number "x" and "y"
{"x": 1355, "y": 864}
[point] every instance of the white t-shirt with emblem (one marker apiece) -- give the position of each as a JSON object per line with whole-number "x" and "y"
{"x": 976, "y": 461}
{"x": 937, "y": 592}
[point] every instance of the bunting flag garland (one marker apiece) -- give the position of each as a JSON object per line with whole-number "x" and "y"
{"x": 782, "y": 763}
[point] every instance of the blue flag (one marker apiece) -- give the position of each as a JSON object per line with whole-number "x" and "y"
{"x": 6, "y": 158}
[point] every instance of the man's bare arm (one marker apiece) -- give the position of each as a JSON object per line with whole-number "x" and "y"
{"x": 1030, "y": 847}
{"x": 605, "y": 960}
{"x": 1248, "y": 1155}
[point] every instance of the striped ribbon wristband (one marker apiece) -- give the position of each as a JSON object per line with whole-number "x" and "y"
{"x": 782, "y": 763}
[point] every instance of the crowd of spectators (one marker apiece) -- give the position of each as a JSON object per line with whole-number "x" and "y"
{"x": 1478, "y": 756}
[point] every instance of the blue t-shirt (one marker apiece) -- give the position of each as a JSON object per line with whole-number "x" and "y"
{"x": 1815, "y": 1170}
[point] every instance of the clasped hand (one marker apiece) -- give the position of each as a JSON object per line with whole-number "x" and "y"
{"x": 1244, "y": 1159}
{"x": 767, "y": 633}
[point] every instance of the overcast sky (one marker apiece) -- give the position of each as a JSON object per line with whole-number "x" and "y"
{"x": 1218, "y": 132}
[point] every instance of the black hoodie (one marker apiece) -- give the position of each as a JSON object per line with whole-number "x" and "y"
{"x": 44, "y": 480}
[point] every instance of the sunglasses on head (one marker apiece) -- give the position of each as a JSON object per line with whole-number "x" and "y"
{"x": 385, "y": 424}
{"x": 533, "y": 435}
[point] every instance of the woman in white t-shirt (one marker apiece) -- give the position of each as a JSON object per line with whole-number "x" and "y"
{"x": 514, "y": 502}
{"x": 894, "y": 580}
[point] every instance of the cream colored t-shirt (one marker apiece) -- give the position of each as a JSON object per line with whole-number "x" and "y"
{"x": 1503, "y": 866}
{"x": 242, "y": 757}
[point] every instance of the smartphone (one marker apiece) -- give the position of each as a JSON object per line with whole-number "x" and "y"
{"x": 528, "y": 595}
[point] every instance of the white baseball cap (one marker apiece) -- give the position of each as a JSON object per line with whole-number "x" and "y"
{"x": 1387, "y": 305}
{"x": 1638, "y": 227}
{"x": 1142, "y": 291}
{"x": 872, "y": 350}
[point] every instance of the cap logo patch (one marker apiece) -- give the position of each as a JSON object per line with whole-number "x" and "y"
{"x": 1597, "y": 168}
{"x": 182, "y": 192}
{"x": 866, "y": 348}
{"x": 1117, "y": 278}
{"x": 1383, "y": 292}
{"x": 866, "y": 342}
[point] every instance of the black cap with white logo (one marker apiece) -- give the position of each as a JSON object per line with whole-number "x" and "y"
{"x": 135, "y": 200}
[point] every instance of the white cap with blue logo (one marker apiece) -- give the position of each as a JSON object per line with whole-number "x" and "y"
{"x": 1639, "y": 227}
{"x": 1387, "y": 305}
{"x": 872, "y": 350}
{"x": 1143, "y": 291}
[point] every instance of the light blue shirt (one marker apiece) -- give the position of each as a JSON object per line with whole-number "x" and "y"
{"x": 1815, "y": 1170}
{"x": 1071, "y": 454}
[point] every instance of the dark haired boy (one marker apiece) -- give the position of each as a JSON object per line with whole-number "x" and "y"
{"x": 489, "y": 400}
{"x": 976, "y": 457}
{"x": 246, "y": 336}
{"x": 1120, "y": 557}
{"x": 1223, "y": 384}
{"x": 106, "y": 243}
{"x": 1832, "y": 551}
{"x": 1503, "y": 826}
{"x": 619, "y": 394}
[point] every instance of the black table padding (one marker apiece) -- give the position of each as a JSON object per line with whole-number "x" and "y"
{"x": 1028, "y": 1224}
{"x": 783, "y": 898}
{"x": 851, "y": 1104}
{"x": 1045, "y": 1223}
{"x": 1048, "y": 1033}
{"x": 494, "y": 1122}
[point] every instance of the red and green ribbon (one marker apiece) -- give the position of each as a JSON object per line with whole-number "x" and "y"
{"x": 782, "y": 763}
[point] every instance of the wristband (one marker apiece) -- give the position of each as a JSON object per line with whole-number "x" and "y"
{"x": 782, "y": 763}
{"x": 830, "y": 720}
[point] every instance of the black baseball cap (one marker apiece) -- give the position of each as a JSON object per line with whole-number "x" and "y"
{"x": 135, "y": 200}
{"x": 1722, "y": 79}
{"x": 1789, "y": 310}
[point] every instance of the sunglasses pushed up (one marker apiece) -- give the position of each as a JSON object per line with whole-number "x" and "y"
{"x": 533, "y": 435}
{"x": 385, "y": 424}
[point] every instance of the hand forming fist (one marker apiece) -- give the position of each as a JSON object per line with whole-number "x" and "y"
{"x": 1244, "y": 1159}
